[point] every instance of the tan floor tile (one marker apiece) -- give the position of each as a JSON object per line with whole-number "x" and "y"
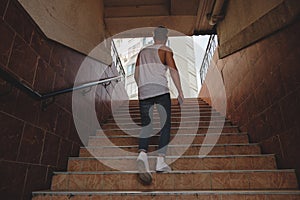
{"x": 59, "y": 182}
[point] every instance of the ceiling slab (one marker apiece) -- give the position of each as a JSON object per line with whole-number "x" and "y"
{"x": 182, "y": 24}
{"x": 136, "y": 11}
{"x": 188, "y": 17}
{"x": 179, "y": 7}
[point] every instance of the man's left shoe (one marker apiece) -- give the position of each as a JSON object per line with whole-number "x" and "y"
{"x": 143, "y": 169}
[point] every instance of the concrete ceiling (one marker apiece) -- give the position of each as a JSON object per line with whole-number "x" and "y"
{"x": 82, "y": 25}
{"x": 187, "y": 17}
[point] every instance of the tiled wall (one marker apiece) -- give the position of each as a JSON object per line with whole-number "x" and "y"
{"x": 34, "y": 142}
{"x": 262, "y": 87}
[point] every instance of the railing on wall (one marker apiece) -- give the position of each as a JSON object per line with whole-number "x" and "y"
{"x": 116, "y": 59}
{"x": 210, "y": 49}
{"x": 44, "y": 97}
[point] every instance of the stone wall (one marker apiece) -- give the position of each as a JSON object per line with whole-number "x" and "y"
{"x": 263, "y": 94}
{"x": 34, "y": 143}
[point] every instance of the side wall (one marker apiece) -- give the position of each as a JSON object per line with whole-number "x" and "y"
{"x": 247, "y": 22}
{"x": 76, "y": 24}
{"x": 34, "y": 143}
{"x": 262, "y": 85}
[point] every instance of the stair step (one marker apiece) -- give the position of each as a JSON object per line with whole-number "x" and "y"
{"x": 175, "y": 102}
{"x": 173, "y": 119}
{"x": 156, "y": 124}
{"x": 218, "y": 162}
{"x": 121, "y": 140}
{"x": 191, "y": 109}
{"x": 176, "y": 114}
{"x": 173, "y": 107}
{"x": 176, "y": 180}
{"x": 218, "y": 149}
{"x": 171, "y": 195}
{"x": 174, "y": 130}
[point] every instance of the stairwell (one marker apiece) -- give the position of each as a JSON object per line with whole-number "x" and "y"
{"x": 234, "y": 168}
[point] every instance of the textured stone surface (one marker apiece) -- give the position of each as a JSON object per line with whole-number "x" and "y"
{"x": 262, "y": 88}
{"x": 32, "y": 139}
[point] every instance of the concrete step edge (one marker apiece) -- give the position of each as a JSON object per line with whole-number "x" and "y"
{"x": 185, "y": 112}
{"x": 179, "y": 171}
{"x": 173, "y": 146}
{"x": 171, "y": 157}
{"x": 136, "y": 136}
{"x": 180, "y": 192}
{"x": 184, "y": 122}
{"x": 184, "y": 128}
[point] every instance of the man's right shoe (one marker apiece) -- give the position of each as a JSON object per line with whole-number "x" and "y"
{"x": 162, "y": 166}
{"x": 143, "y": 169}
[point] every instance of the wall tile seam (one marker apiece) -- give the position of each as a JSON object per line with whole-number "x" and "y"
{"x": 26, "y": 122}
{"x": 20, "y": 8}
{"x": 20, "y": 143}
{"x": 20, "y": 36}
{"x": 21, "y": 79}
{"x": 270, "y": 106}
{"x": 35, "y": 52}
{"x": 282, "y": 100}
{"x": 38, "y": 127}
{"x": 281, "y": 147}
{"x": 35, "y": 71}
{"x": 59, "y": 153}
{"x": 5, "y": 10}
{"x": 8, "y": 68}
{"x": 43, "y": 147}
{"x": 25, "y": 181}
{"x": 27, "y": 164}
{"x": 10, "y": 50}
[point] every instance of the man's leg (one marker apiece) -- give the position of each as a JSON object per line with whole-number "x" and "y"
{"x": 146, "y": 110}
{"x": 164, "y": 109}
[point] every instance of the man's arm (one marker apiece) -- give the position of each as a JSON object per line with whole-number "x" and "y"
{"x": 174, "y": 74}
{"x": 136, "y": 71}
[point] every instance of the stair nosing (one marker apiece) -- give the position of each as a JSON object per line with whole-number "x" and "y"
{"x": 174, "y": 128}
{"x": 202, "y": 114}
{"x": 188, "y": 134}
{"x": 171, "y": 157}
{"x": 178, "y": 171}
{"x": 191, "y": 117}
{"x": 113, "y": 123}
{"x": 157, "y": 192}
{"x": 178, "y": 145}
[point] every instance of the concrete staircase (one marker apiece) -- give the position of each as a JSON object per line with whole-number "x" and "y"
{"x": 233, "y": 169}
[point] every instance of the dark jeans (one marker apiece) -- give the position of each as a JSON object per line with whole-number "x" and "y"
{"x": 163, "y": 105}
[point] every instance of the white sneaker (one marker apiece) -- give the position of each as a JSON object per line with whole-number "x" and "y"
{"x": 161, "y": 165}
{"x": 143, "y": 168}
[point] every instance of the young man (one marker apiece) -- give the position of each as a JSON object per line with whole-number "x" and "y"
{"x": 150, "y": 75}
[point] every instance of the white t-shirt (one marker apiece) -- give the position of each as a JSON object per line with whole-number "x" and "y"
{"x": 152, "y": 73}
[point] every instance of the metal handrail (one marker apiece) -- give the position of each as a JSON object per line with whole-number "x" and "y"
{"x": 38, "y": 96}
{"x": 118, "y": 62}
{"x": 210, "y": 49}
{"x": 82, "y": 86}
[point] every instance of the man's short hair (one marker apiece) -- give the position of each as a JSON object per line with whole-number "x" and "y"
{"x": 160, "y": 33}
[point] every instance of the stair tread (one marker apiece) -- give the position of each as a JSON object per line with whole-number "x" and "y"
{"x": 170, "y": 157}
{"x": 178, "y": 134}
{"x": 186, "y": 127}
{"x": 179, "y": 145}
{"x": 180, "y": 171}
{"x": 185, "y": 122}
{"x": 169, "y": 192}
{"x": 259, "y": 165}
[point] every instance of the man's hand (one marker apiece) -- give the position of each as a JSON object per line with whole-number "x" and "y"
{"x": 180, "y": 98}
